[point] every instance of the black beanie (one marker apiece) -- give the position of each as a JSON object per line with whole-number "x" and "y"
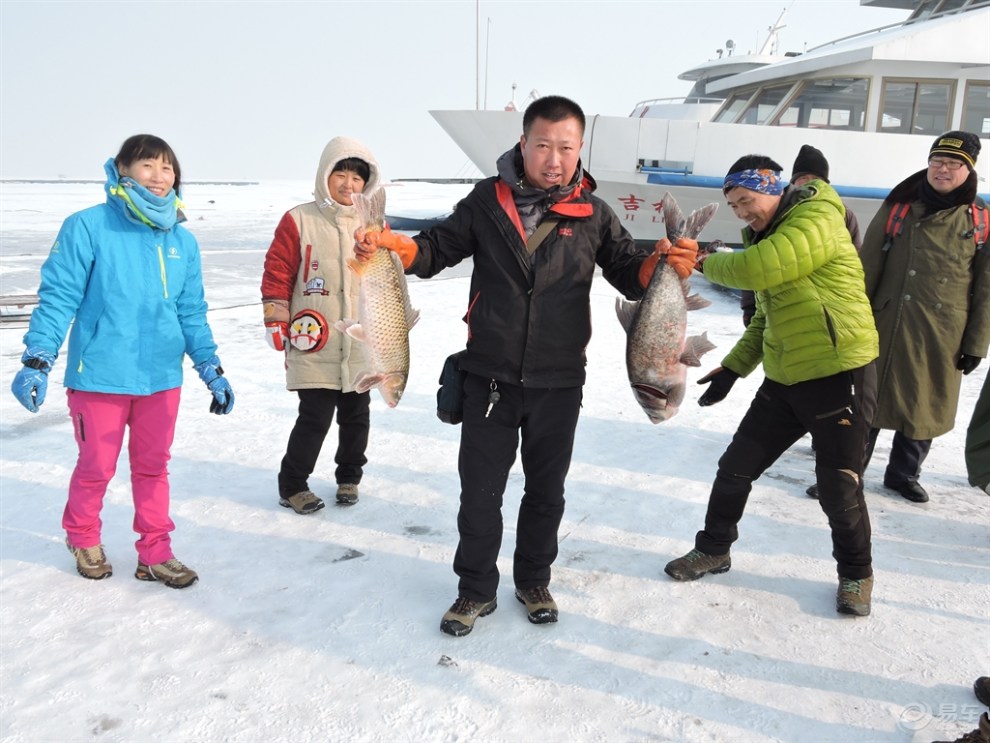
{"x": 960, "y": 145}
{"x": 810, "y": 161}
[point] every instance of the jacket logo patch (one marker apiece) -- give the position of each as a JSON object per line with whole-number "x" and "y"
{"x": 173, "y": 252}
{"x": 565, "y": 232}
{"x": 315, "y": 286}
{"x": 314, "y": 265}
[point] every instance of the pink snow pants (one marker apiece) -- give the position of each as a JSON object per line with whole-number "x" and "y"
{"x": 99, "y": 420}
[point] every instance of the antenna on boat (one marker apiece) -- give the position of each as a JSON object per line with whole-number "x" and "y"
{"x": 770, "y": 45}
{"x": 730, "y": 45}
{"x": 511, "y": 105}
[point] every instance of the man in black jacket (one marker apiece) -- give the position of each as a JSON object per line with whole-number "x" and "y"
{"x": 535, "y": 233}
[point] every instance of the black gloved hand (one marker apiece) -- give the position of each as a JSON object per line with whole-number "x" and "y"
{"x": 721, "y": 380}
{"x": 967, "y": 363}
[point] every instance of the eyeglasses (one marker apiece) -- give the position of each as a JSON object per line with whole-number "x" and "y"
{"x": 935, "y": 163}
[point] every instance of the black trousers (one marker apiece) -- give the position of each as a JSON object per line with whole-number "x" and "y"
{"x": 316, "y": 411}
{"x": 906, "y": 457}
{"x": 545, "y": 420}
{"x": 837, "y": 411}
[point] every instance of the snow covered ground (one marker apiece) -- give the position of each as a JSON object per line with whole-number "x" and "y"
{"x": 326, "y": 627}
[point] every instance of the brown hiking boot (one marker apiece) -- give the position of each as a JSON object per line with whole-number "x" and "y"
{"x": 171, "y": 572}
{"x": 696, "y": 564}
{"x": 540, "y": 606}
{"x": 460, "y": 617}
{"x": 347, "y": 494}
{"x": 91, "y": 562}
{"x": 980, "y": 735}
{"x": 853, "y": 596}
{"x": 303, "y": 503}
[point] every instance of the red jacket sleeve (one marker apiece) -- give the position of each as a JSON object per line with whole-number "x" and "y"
{"x": 282, "y": 261}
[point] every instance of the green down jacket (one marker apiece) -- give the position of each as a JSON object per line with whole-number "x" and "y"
{"x": 812, "y": 317}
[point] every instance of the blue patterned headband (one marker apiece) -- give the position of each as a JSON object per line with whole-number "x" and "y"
{"x": 762, "y": 180}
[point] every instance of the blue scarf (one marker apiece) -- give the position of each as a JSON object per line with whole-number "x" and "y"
{"x": 762, "y": 180}
{"x": 157, "y": 212}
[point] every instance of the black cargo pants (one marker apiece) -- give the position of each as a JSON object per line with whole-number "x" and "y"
{"x": 545, "y": 420}
{"x": 316, "y": 413}
{"x": 837, "y": 411}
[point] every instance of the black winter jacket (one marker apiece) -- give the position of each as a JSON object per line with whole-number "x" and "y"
{"x": 529, "y": 318}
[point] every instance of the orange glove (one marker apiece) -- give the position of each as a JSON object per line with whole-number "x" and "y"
{"x": 682, "y": 255}
{"x": 647, "y": 267}
{"x": 367, "y": 242}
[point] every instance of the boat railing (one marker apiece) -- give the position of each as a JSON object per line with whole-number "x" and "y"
{"x": 978, "y": 4}
{"x": 677, "y": 100}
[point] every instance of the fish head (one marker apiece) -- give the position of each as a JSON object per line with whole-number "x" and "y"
{"x": 660, "y": 403}
{"x": 392, "y": 388}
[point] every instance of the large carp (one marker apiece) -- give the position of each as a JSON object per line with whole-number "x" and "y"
{"x": 385, "y": 315}
{"x": 657, "y": 352}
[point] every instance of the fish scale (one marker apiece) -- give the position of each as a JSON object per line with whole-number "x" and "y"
{"x": 657, "y": 351}
{"x": 385, "y": 314}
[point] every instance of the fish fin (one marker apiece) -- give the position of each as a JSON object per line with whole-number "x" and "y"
{"x": 357, "y": 266}
{"x": 695, "y": 347}
{"x": 677, "y": 226}
{"x": 370, "y": 209}
{"x": 351, "y": 328}
{"x": 412, "y": 317}
{"x": 625, "y": 311}
{"x": 696, "y": 302}
{"x": 367, "y": 381}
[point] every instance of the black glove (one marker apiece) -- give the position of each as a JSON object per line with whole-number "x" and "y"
{"x": 967, "y": 363}
{"x": 721, "y": 380}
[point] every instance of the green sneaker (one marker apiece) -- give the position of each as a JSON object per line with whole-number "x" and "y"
{"x": 460, "y": 617}
{"x": 696, "y": 564}
{"x": 91, "y": 562}
{"x": 853, "y": 596}
{"x": 171, "y": 572}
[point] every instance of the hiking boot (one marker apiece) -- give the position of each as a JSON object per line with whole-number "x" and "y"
{"x": 540, "y": 606}
{"x": 303, "y": 503}
{"x": 696, "y": 564}
{"x": 460, "y": 617}
{"x": 812, "y": 491}
{"x": 171, "y": 572}
{"x": 980, "y": 735}
{"x": 91, "y": 562}
{"x": 982, "y": 690}
{"x": 911, "y": 490}
{"x": 347, "y": 494}
{"x": 853, "y": 596}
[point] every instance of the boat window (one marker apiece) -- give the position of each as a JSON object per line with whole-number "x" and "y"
{"x": 833, "y": 103}
{"x": 764, "y": 104}
{"x": 911, "y": 107}
{"x": 976, "y": 109}
{"x": 731, "y": 108}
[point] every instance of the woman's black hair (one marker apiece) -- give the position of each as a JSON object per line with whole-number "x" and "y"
{"x": 353, "y": 165}
{"x": 145, "y": 147}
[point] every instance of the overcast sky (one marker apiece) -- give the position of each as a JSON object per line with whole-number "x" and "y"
{"x": 253, "y": 90}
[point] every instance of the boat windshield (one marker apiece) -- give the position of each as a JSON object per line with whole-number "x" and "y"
{"x": 833, "y": 103}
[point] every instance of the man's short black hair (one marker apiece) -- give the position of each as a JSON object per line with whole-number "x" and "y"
{"x": 754, "y": 162}
{"x": 354, "y": 165}
{"x": 552, "y": 108}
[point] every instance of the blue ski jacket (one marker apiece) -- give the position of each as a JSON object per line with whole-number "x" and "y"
{"x": 136, "y": 294}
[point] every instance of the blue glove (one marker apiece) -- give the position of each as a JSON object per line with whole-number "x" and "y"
{"x": 31, "y": 382}
{"x": 211, "y": 373}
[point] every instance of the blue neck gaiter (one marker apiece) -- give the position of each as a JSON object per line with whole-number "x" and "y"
{"x": 158, "y": 212}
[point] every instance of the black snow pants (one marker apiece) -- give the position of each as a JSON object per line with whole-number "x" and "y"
{"x": 837, "y": 411}
{"x": 545, "y": 419}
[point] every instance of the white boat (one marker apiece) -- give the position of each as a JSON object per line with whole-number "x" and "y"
{"x": 872, "y": 102}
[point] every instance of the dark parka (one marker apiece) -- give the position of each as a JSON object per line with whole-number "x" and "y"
{"x": 529, "y": 318}
{"x": 930, "y": 293}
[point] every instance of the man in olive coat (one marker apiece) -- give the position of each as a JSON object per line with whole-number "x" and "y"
{"x": 930, "y": 291}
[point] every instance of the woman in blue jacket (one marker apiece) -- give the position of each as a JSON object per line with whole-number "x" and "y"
{"x": 130, "y": 276}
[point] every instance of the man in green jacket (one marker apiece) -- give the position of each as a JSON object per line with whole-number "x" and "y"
{"x": 814, "y": 333}
{"x": 978, "y": 441}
